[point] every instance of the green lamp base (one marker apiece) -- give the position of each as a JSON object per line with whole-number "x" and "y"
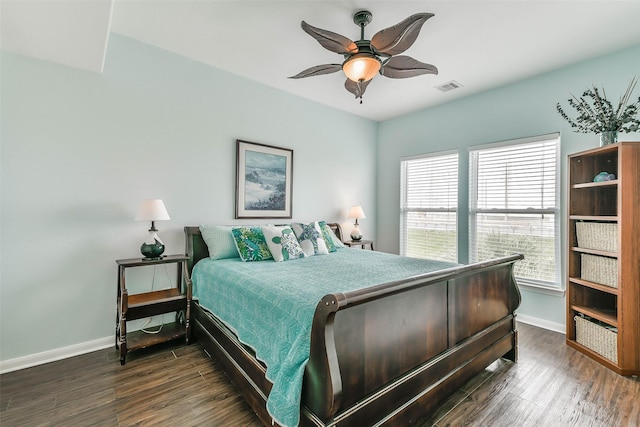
{"x": 152, "y": 250}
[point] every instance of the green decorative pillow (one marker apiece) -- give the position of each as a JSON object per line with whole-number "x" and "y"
{"x": 220, "y": 241}
{"x": 330, "y": 237}
{"x": 251, "y": 244}
{"x": 310, "y": 238}
{"x": 283, "y": 243}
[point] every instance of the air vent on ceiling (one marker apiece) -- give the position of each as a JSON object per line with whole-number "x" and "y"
{"x": 446, "y": 87}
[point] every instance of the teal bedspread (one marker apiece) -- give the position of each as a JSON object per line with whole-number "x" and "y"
{"x": 270, "y": 306}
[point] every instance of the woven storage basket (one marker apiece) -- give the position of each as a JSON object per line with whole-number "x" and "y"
{"x": 599, "y": 269}
{"x": 597, "y": 235}
{"x": 597, "y": 338}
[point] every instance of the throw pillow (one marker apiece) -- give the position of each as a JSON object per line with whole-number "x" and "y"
{"x": 282, "y": 243}
{"x": 310, "y": 238}
{"x": 251, "y": 244}
{"x": 330, "y": 237}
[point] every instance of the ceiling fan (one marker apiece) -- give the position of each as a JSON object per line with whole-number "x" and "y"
{"x": 363, "y": 59}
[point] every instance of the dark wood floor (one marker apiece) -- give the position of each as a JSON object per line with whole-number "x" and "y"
{"x": 551, "y": 385}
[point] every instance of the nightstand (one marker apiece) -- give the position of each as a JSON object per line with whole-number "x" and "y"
{"x": 147, "y": 304}
{"x": 362, "y": 243}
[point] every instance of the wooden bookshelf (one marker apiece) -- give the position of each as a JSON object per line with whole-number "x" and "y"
{"x": 614, "y": 308}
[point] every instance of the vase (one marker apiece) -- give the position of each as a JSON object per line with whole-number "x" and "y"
{"x": 608, "y": 137}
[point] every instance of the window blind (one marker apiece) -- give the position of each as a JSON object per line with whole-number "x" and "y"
{"x": 513, "y": 206}
{"x": 428, "y": 207}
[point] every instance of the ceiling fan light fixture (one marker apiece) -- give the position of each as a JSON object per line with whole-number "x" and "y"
{"x": 361, "y": 67}
{"x": 364, "y": 58}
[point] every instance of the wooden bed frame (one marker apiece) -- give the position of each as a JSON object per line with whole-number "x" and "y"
{"x": 388, "y": 354}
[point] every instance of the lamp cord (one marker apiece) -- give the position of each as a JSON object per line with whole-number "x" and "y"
{"x": 149, "y": 319}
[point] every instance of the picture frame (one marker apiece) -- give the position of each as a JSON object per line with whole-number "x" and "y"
{"x": 264, "y": 181}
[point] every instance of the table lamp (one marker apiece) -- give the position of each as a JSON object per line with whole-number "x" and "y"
{"x": 152, "y": 210}
{"x": 357, "y": 213}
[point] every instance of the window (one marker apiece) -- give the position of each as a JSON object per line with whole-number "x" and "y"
{"x": 428, "y": 207}
{"x": 513, "y": 206}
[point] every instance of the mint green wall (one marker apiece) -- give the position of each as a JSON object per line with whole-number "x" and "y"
{"x": 522, "y": 109}
{"x": 80, "y": 150}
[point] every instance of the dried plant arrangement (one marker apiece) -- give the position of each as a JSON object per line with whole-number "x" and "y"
{"x": 596, "y": 114}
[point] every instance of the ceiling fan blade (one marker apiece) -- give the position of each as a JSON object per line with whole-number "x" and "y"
{"x": 356, "y": 88}
{"x": 400, "y": 37}
{"x": 401, "y": 67}
{"x": 318, "y": 70}
{"x": 330, "y": 40}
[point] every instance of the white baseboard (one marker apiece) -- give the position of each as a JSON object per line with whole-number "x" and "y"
{"x": 55, "y": 354}
{"x": 541, "y": 323}
{"x": 99, "y": 344}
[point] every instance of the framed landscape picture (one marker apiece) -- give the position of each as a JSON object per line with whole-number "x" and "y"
{"x": 264, "y": 181}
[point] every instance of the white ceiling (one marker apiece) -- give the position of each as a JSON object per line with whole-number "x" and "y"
{"x": 480, "y": 44}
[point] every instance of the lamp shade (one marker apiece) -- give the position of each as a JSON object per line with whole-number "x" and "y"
{"x": 361, "y": 67}
{"x": 356, "y": 212}
{"x": 152, "y": 210}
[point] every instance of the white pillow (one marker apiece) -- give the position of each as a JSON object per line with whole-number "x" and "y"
{"x": 282, "y": 243}
{"x": 219, "y": 240}
{"x": 310, "y": 238}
